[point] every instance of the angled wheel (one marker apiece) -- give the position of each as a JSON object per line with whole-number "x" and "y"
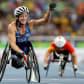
{"x": 29, "y": 69}
{"x": 28, "y": 75}
{"x": 36, "y": 66}
{"x": 48, "y": 67}
{"x": 61, "y": 68}
{"x": 33, "y": 63}
{"x": 4, "y": 61}
{"x": 75, "y": 75}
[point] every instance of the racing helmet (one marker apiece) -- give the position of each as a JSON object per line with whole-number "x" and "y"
{"x": 60, "y": 42}
{"x": 20, "y": 10}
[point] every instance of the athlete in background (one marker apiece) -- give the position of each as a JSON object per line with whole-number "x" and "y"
{"x": 61, "y": 46}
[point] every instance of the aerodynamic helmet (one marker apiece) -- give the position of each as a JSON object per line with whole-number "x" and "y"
{"x": 20, "y": 10}
{"x": 60, "y": 42}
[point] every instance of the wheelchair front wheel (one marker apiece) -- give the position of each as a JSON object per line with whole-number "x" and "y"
{"x": 75, "y": 75}
{"x": 48, "y": 67}
{"x": 61, "y": 68}
{"x": 36, "y": 67}
{"x": 28, "y": 75}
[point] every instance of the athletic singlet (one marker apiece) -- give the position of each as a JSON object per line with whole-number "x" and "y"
{"x": 22, "y": 40}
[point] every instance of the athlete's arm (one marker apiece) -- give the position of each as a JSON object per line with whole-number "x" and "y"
{"x": 48, "y": 52}
{"x": 12, "y": 38}
{"x": 42, "y": 20}
{"x": 72, "y": 52}
{"x": 46, "y": 57}
{"x": 74, "y": 56}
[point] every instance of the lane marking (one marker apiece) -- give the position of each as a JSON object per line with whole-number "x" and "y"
{"x": 63, "y": 79}
{"x": 13, "y": 80}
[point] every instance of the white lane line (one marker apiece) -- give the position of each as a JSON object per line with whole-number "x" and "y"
{"x": 57, "y": 79}
{"x": 54, "y": 83}
{"x": 14, "y": 80}
{"x": 43, "y": 79}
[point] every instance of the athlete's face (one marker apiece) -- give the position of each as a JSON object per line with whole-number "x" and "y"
{"x": 23, "y": 18}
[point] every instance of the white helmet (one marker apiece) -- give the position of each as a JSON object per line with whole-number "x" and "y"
{"x": 60, "y": 42}
{"x": 19, "y": 10}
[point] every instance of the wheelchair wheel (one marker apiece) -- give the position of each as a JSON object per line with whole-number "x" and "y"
{"x": 33, "y": 63}
{"x": 4, "y": 61}
{"x": 28, "y": 75}
{"x": 29, "y": 70}
{"x": 74, "y": 71}
{"x": 48, "y": 67}
{"x": 35, "y": 66}
{"x": 61, "y": 68}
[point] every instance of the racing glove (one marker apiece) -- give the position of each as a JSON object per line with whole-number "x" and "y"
{"x": 25, "y": 60}
{"x": 22, "y": 55}
{"x": 75, "y": 67}
{"x": 45, "y": 66}
{"x": 52, "y": 6}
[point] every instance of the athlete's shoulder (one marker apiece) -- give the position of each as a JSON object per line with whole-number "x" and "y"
{"x": 53, "y": 44}
{"x": 12, "y": 26}
{"x": 67, "y": 43}
{"x": 69, "y": 47}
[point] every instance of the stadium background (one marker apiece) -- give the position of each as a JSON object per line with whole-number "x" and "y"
{"x": 67, "y": 20}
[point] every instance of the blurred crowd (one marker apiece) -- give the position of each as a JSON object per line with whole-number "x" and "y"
{"x": 67, "y": 19}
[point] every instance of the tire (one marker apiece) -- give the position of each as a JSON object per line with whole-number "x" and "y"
{"x": 36, "y": 66}
{"x": 33, "y": 63}
{"x": 61, "y": 67}
{"x": 29, "y": 70}
{"x": 48, "y": 67}
{"x": 4, "y": 61}
{"x": 74, "y": 70}
{"x": 2, "y": 71}
{"x": 28, "y": 75}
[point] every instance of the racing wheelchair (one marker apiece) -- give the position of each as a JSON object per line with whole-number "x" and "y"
{"x": 62, "y": 59}
{"x": 31, "y": 61}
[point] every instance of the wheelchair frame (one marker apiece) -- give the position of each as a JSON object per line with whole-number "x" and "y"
{"x": 32, "y": 60}
{"x": 60, "y": 61}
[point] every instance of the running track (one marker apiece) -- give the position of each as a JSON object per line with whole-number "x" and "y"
{"x": 17, "y": 76}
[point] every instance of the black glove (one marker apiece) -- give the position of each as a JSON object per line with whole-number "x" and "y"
{"x": 52, "y": 6}
{"x": 45, "y": 67}
{"x": 20, "y": 54}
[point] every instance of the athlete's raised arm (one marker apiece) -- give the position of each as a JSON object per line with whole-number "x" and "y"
{"x": 52, "y": 6}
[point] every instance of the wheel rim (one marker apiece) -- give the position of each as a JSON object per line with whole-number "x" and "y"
{"x": 28, "y": 75}
{"x": 3, "y": 70}
{"x": 36, "y": 69}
